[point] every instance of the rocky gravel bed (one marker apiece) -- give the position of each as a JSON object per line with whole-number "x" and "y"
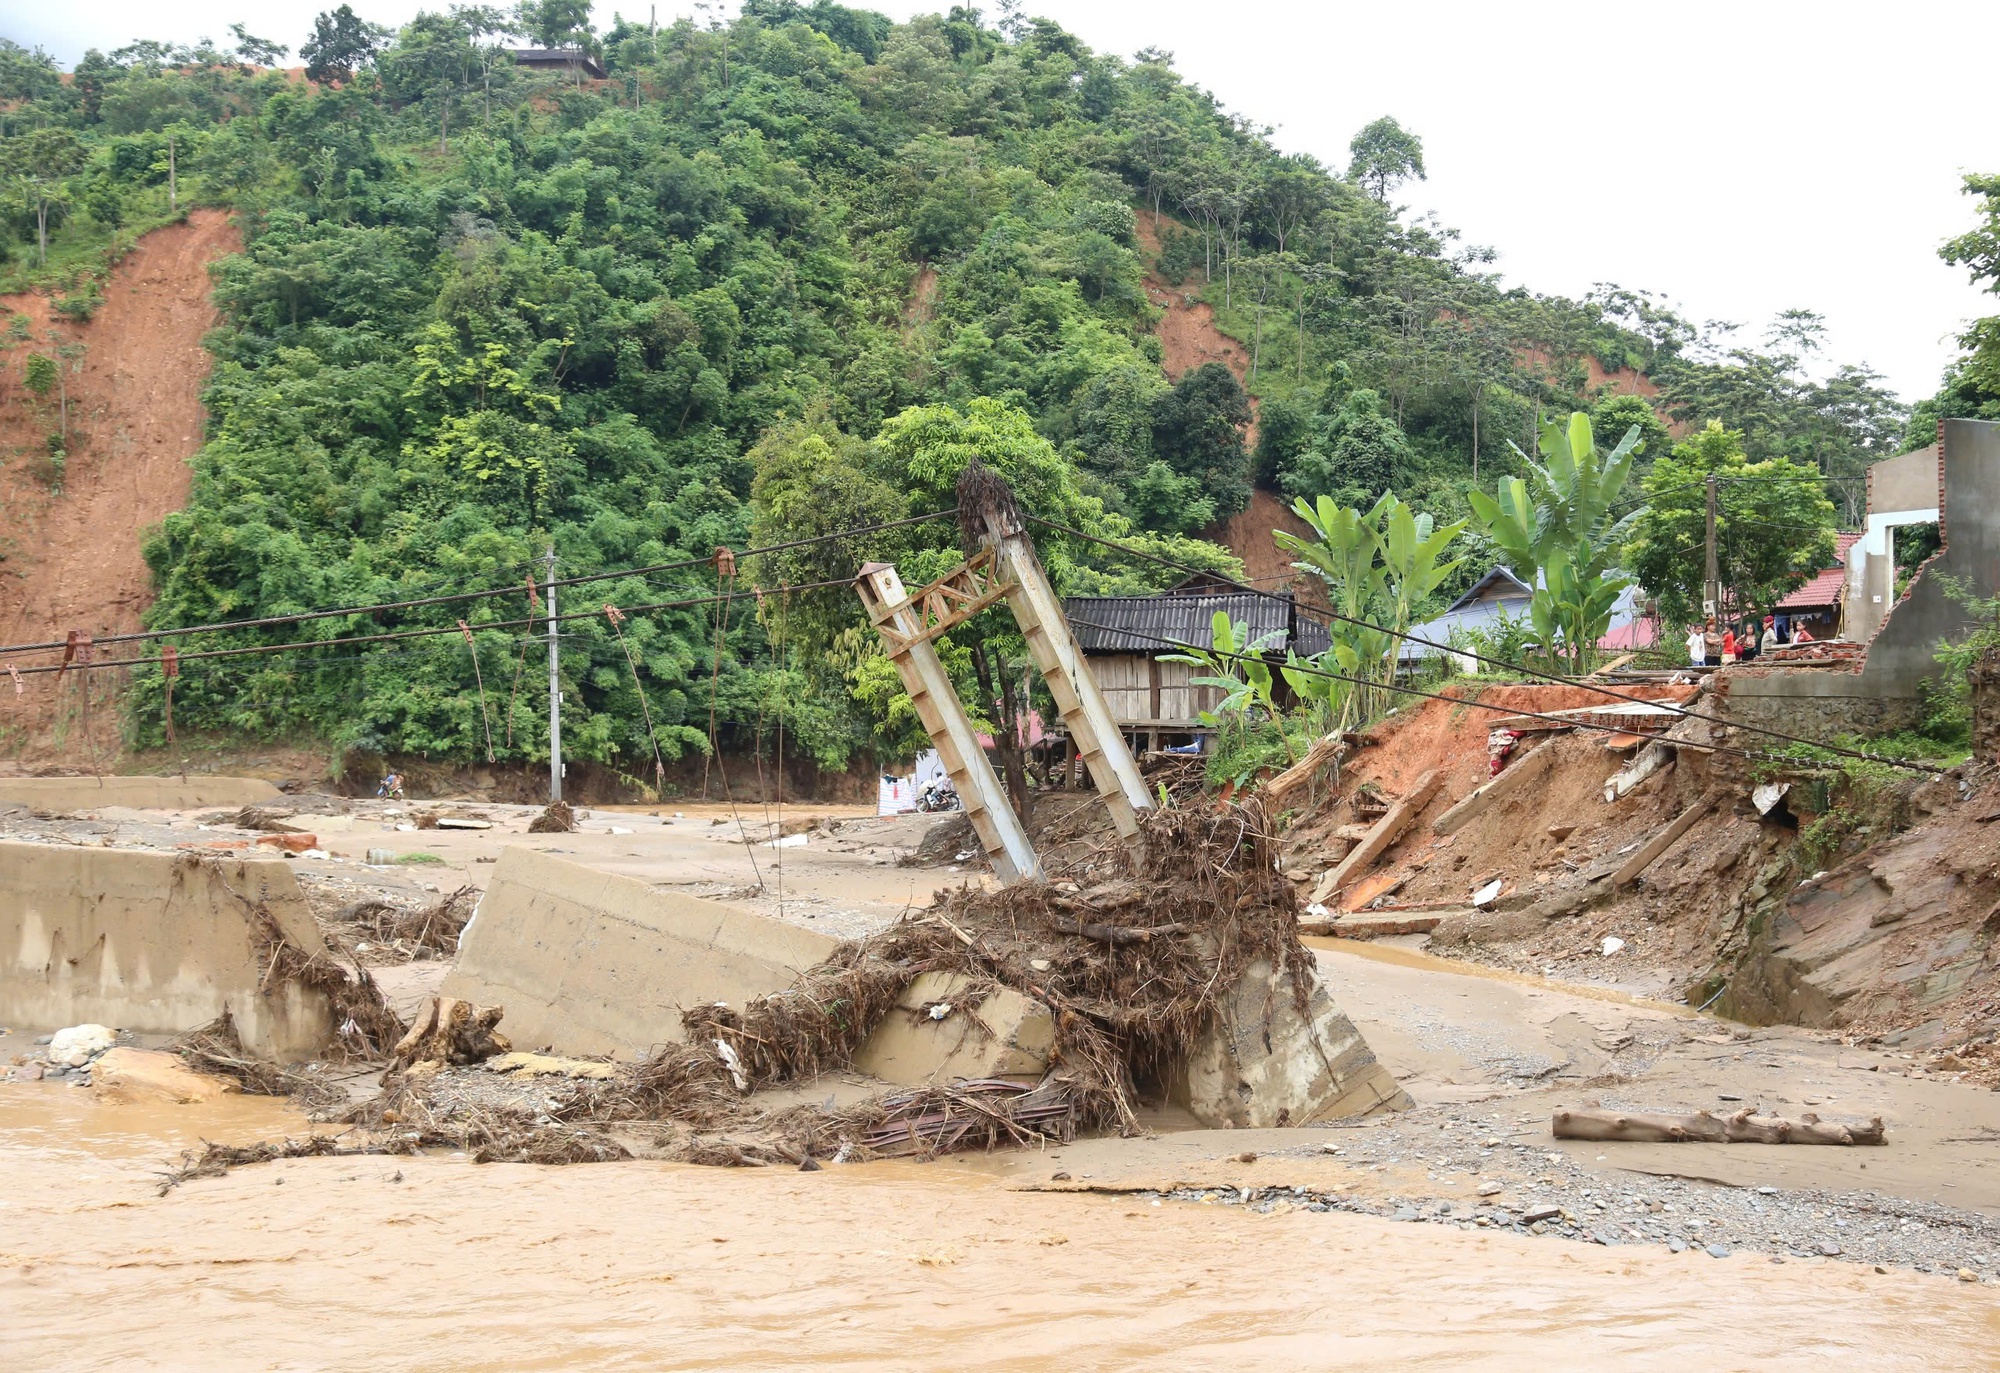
{"x": 1527, "y": 1187}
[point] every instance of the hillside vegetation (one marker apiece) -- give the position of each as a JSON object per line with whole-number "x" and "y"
{"x": 775, "y": 277}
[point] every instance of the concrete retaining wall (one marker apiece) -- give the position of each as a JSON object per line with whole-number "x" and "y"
{"x": 152, "y": 942}
{"x": 587, "y": 962}
{"x": 140, "y": 793}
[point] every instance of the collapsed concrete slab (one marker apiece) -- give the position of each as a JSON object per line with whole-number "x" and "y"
{"x": 1006, "y": 1035}
{"x": 1261, "y": 1062}
{"x": 139, "y": 793}
{"x": 156, "y": 943}
{"x": 588, "y": 962}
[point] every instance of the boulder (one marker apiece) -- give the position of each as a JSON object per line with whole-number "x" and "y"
{"x": 137, "y": 1075}
{"x": 77, "y": 1045}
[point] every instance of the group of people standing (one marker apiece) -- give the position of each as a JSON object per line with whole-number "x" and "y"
{"x": 1742, "y": 641}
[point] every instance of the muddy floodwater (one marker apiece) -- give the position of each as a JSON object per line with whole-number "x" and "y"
{"x": 441, "y": 1264}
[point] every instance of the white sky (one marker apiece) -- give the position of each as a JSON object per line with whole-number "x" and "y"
{"x": 1739, "y": 158}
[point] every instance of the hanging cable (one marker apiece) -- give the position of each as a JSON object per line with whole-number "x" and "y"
{"x": 485, "y": 720}
{"x": 617, "y": 619}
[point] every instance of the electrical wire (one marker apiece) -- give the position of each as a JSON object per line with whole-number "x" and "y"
{"x": 401, "y": 634}
{"x": 584, "y": 580}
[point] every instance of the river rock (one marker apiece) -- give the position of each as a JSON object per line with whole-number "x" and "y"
{"x": 78, "y": 1044}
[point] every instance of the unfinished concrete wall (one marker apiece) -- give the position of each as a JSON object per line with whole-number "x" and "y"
{"x": 153, "y": 942}
{"x": 1903, "y": 653}
{"x": 587, "y": 962}
{"x": 1262, "y": 1063}
{"x": 1883, "y": 694}
{"x": 140, "y": 793}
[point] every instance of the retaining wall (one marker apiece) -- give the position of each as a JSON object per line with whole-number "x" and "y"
{"x": 152, "y": 942}
{"x": 140, "y": 793}
{"x": 588, "y": 962}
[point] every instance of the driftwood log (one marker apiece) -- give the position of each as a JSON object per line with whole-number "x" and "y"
{"x": 452, "y": 1031}
{"x": 1744, "y": 1127}
{"x": 1279, "y": 791}
{"x": 1109, "y": 934}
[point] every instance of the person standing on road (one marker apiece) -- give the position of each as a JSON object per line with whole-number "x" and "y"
{"x": 1698, "y": 646}
{"x": 1770, "y": 639}
{"x": 1728, "y": 646}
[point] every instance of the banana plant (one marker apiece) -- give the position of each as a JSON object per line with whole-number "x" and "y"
{"x": 1556, "y": 528}
{"x": 1565, "y": 498}
{"x": 1236, "y": 667}
{"x": 1411, "y": 547}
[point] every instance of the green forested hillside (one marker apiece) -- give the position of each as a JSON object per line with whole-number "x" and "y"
{"x": 777, "y": 276}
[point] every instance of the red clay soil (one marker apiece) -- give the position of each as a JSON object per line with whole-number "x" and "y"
{"x": 1187, "y": 326}
{"x": 1247, "y": 534}
{"x": 72, "y": 561}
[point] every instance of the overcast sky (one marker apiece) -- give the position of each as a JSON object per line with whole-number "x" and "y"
{"x": 1739, "y": 158}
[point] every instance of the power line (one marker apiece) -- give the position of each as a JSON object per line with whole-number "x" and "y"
{"x": 1496, "y": 662}
{"x": 401, "y": 634}
{"x": 300, "y": 617}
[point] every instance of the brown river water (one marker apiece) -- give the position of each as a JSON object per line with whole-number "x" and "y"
{"x": 439, "y": 1264}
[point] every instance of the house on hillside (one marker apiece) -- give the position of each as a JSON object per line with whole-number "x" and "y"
{"x": 1501, "y": 595}
{"x": 559, "y": 59}
{"x": 1157, "y": 703}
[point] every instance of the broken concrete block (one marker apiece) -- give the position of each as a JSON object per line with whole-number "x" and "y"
{"x": 934, "y": 1037}
{"x": 156, "y": 943}
{"x": 587, "y": 962}
{"x": 1260, "y": 1062}
{"x": 138, "y": 1075}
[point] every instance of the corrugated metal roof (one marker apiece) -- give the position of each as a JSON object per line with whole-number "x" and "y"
{"x": 1136, "y": 624}
{"x": 1830, "y": 586}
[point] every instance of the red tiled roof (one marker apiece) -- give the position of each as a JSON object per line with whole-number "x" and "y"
{"x": 1829, "y": 586}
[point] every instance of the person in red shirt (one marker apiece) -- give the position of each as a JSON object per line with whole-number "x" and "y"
{"x": 1729, "y": 645}
{"x": 1800, "y": 634}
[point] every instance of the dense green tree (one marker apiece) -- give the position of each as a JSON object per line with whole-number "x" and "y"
{"x": 342, "y": 43}
{"x": 1385, "y": 155}
{"x": 1198, "y": 432}
{"x": 1774, "y": 526}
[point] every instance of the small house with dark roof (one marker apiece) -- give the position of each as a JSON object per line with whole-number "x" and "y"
{"x": 1124, "y": 636}
{"x": 559, "y": 59}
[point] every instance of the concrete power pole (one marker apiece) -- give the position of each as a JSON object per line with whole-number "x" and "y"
{"x": 555, "y": 690}
{"x": 1711, "y": 587}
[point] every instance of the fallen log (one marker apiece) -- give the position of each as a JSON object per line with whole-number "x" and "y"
{"x": 1385, "y": 832}
{"x": 452, "y": 1031}
{"x": 1109, "y": 934}
{"x": 1744, "y": 1127}
{"x": 1279, "y": 789}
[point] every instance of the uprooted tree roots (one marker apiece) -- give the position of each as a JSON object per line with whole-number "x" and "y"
{"x": 1130, "y": 969}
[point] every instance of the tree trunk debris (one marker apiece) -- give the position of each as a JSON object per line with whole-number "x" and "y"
{"x": 452, "y": 1031}
{"x": 1744, "y": 1127}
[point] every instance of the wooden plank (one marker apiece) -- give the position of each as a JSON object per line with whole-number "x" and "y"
{"x": 1529, "y": 766}
{"x": 1662, "y": 841}
{"x": 1387, "y": 831}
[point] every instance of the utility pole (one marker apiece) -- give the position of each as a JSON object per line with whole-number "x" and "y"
{"x": 555, "y": 690}
{"x": 1711, "y": 588}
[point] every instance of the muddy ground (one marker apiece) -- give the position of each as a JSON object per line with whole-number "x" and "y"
{"x": 1487, "y": 1054}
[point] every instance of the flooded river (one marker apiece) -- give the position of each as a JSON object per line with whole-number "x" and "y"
{"x": 440, "y": 1264}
